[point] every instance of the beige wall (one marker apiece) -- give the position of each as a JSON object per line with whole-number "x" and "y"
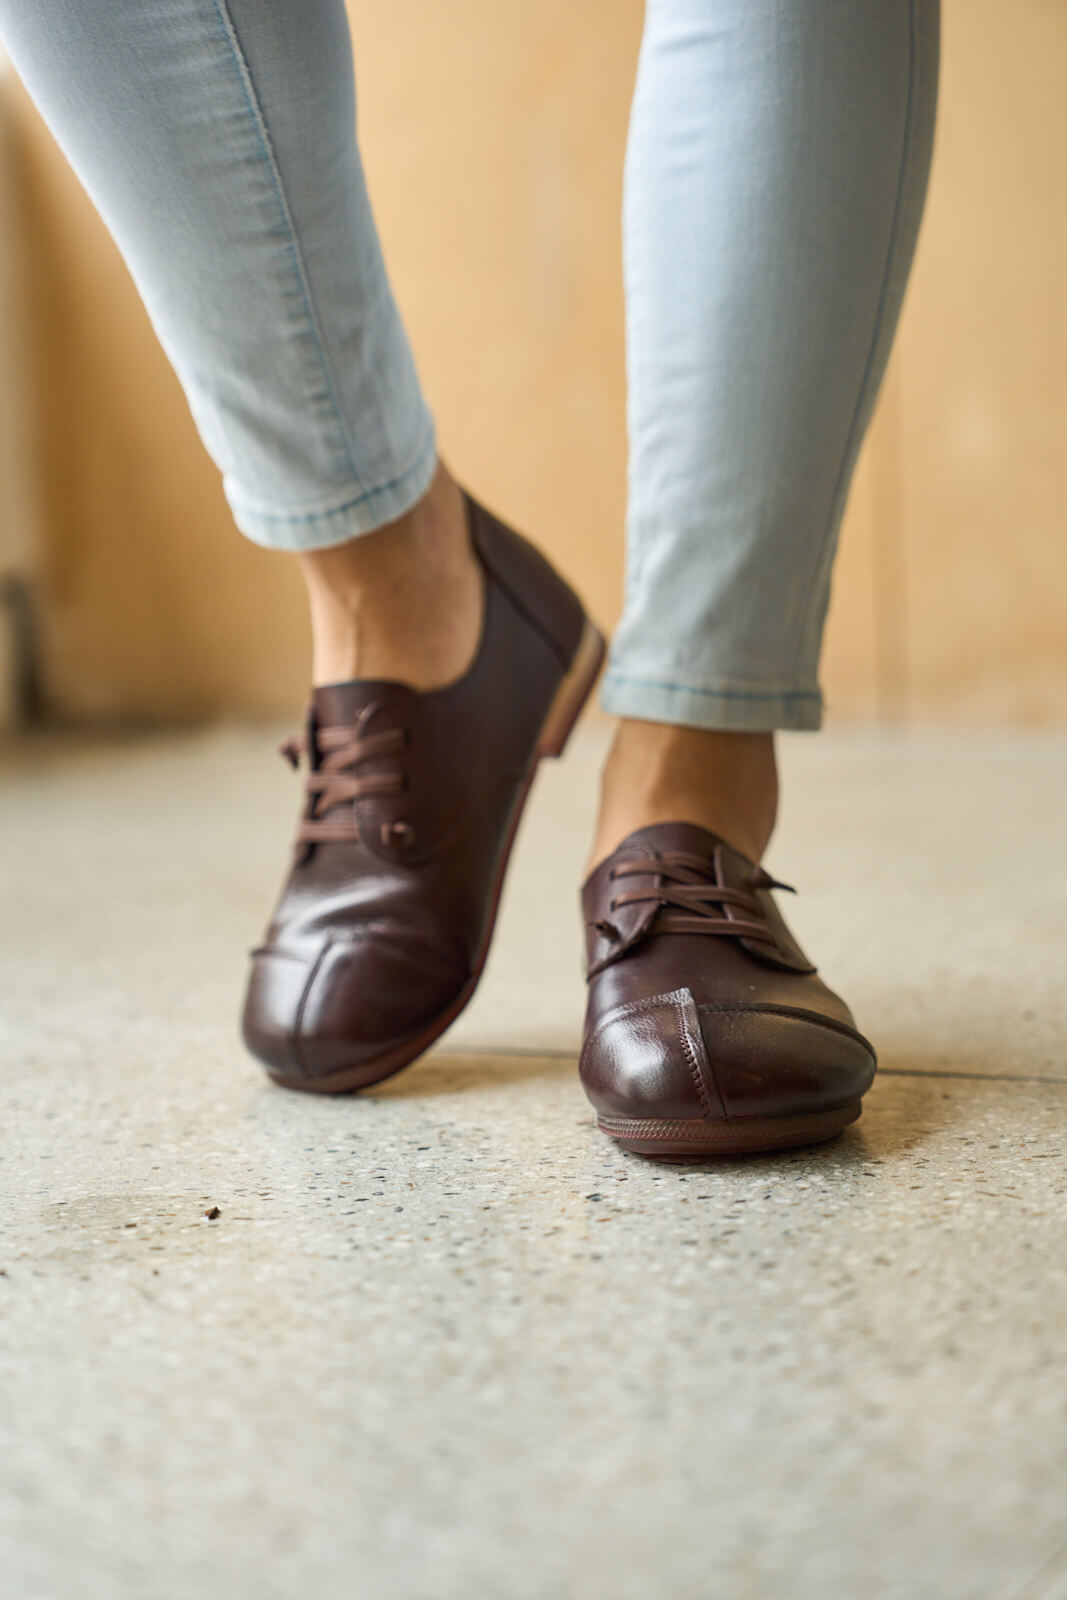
{"x": 494, "y": 155}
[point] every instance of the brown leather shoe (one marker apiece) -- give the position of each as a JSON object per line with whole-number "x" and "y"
{"x": 413, "y": 800}
{"x": 708, "y": 1031}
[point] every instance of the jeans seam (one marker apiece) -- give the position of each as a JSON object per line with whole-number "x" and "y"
{"x": 849, "y": 453}
{"x": 346, "y": 505}
{"x": 716, "y": 694}
{"x": 259, "y": 122}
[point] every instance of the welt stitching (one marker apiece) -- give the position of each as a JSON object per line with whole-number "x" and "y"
{"x": 694, "y": 1065}
{"x": 259, "y": 122}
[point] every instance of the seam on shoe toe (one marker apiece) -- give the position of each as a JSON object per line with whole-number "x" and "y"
{"x": 298, "y": 1020}
{"x": 694, "y": 1065}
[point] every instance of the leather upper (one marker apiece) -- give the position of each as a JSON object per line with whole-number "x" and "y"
{"x": 702, "y": 1005}
{"x": 380, "y": 929}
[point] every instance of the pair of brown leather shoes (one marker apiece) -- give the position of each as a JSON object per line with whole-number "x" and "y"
{"x": 707, "y": 1029}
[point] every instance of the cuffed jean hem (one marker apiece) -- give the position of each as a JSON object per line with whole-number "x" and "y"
{"x": 737, "y": 710}
{"x": 364, "y": 512}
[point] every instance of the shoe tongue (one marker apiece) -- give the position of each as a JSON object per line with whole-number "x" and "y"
{"x": 340, "y": 704}
{"x": 611, "y": 927}
{"x": 662, "y": 836}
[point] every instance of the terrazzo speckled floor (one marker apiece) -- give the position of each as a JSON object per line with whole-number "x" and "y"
{"x": 443, "y": 1340}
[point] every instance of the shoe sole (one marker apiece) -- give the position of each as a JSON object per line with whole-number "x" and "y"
{"x": 739, "y": 1136}
{"x": 567, "y": 706}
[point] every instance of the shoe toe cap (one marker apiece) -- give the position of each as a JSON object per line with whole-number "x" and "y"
{"x": 273, "y": 997}
{"x": 666, "y": 1058}
{"x": 349, "y": 1010}
{"x": 646, "y": 1060}
{"x": 776, "y": 1063}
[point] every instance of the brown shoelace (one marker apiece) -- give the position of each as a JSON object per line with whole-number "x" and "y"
{"x": 336, "y": 782}
{"x": 689, "y": 900}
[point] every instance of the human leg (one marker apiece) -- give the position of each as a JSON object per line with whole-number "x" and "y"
{"x": 776, "y": 171}
{"x": 775, "y": 178}
{"x": 217, "y": 138}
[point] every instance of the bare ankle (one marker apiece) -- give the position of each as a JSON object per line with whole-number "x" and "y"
{"x": 404, "y": 602}
{"x": 658, "y": 772}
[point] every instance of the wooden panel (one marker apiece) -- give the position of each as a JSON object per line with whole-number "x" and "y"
{"x": 497, "y": 132}
{"x": 982, "y": 370}
{"x": 17, "y": 527}
{"x": 152, "y": 606}
{"x": 493, "y": 136}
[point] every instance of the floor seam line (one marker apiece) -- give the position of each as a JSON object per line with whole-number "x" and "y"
{"x": 528, "y": 1053}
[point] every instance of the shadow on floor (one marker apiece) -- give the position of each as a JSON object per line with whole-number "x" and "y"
{"x": 904, "y": 1108}
{"x": 911, "y": 1102}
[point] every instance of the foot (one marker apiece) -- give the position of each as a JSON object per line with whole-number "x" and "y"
{"x": 404, "y": 603}
{"x": 708, "y": 1031}
{"x": 658, "y": 772}
{"x": 413, "y": 799}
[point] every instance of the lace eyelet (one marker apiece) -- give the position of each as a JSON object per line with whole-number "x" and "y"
{"x": 613, "y": 905}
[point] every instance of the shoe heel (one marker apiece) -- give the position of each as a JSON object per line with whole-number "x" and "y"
{"x": 572, "y": 693}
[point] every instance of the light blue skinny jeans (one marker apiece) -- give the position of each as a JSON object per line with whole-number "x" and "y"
{"x": 775, "y": 176}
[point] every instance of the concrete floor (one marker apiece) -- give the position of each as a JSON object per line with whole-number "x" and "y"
{"x": 444, "y": 1340}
